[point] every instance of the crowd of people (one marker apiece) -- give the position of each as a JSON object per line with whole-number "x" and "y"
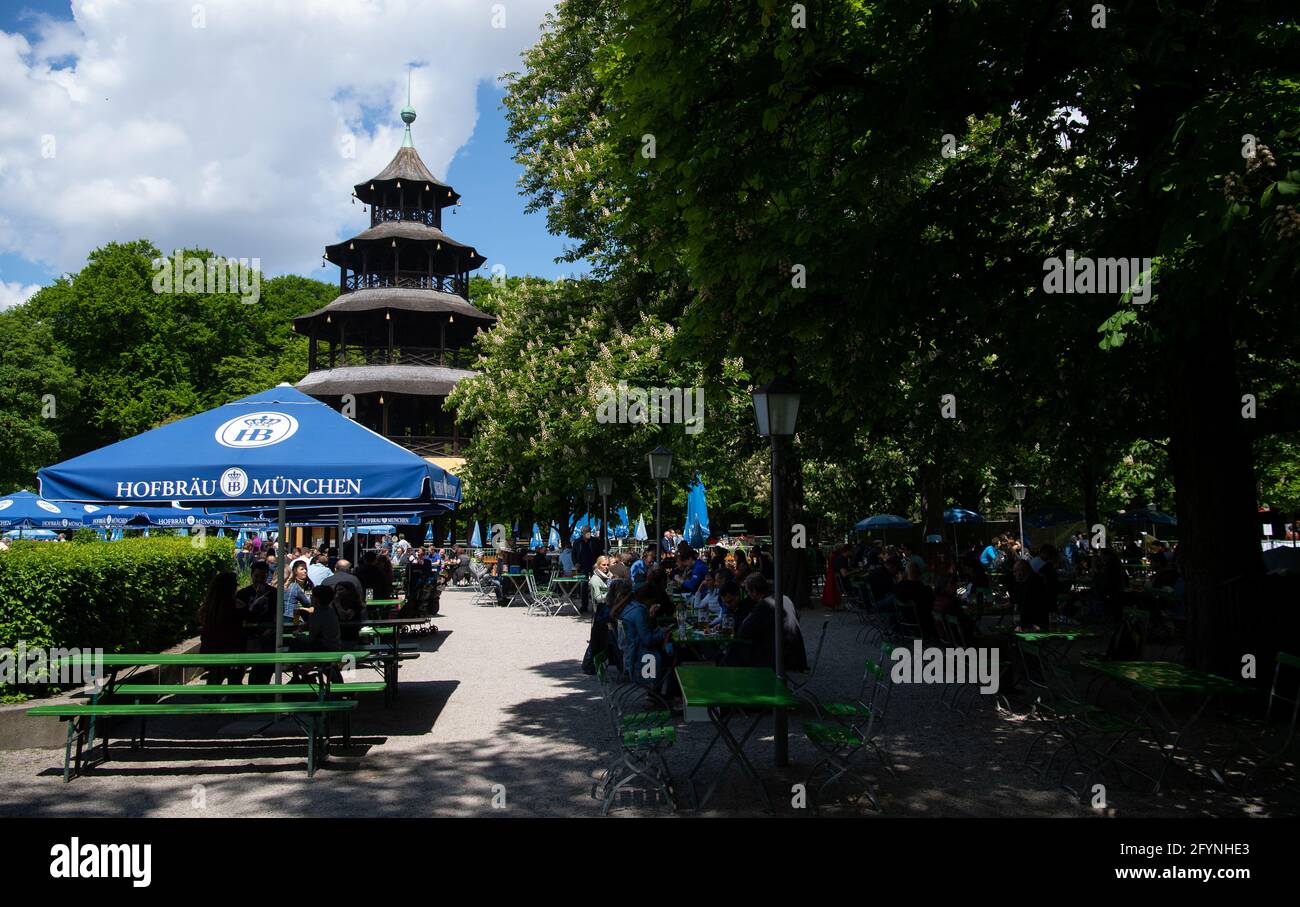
{"x": 323, "y": 592}
{"x": 1034, "y": 577}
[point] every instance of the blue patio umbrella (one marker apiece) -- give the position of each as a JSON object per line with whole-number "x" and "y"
{"x": 536, "y": 540}
{"x": 641, "y": 535}
{"x": 475, "y": 539}
{"x": 162, "y": 517}
{"x": 277, "y": 447}
{"x": 38, "y": 534}
{"x": 622, "y": 528}
{"x": 697, "y": 515}
{"x": 554, "y": 540}
{"x": 1055, "y": 516}
{"x": 884, "y": 521}
{"x": 958, "y": 515}
{"x": 24, "y": 510}
{"x": 428, "y": 533}
{"x": 1143, "y": 517}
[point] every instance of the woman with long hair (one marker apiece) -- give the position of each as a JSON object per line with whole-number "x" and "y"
{"x": 298, "y": 592}
{"x": 222, "y": 626}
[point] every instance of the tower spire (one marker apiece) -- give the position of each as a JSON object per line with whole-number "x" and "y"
{"x": 408, "y": 114}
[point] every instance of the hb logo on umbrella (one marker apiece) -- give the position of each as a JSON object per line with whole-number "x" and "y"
{"x": 256, "y": 430}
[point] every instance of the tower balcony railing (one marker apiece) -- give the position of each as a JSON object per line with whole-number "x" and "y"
{"x": 394, "y": 355}
{"x": 431, "y": 445}
{"x": 406, "y": 280}
{"x": 381, "y": 214}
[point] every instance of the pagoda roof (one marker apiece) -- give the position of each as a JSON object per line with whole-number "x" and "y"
{"x": 406, "y": 166}
{"x": 406, "y": 230}
{"x": 424, "y": 380}
{"x": 410, "y": 300}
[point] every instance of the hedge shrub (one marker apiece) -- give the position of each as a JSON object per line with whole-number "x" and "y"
{"x": 132, "y": 595}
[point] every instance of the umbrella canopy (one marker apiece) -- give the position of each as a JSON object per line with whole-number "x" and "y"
{"x": 277, "y": 445}
{"x": 884, "y": 521}
{"x": 535, "y": 541}
{"x": 165, "y": 517}
{"x": 1141, "y": 517}
{"x": 1056, "y": 516}
{"x": 475, "y": 539}
{"x": 641, "y": 535}
{"x": 697, "y": 515}
{"x": 553, "y": 540}
{"x": 24, "y": 510}
{"x": 621, "y": 529}
{"x": 40, "y": 534}
{"x": 958, "y": 515}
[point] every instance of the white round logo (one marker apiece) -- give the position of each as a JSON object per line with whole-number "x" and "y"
{"x": 257, "y": 430}
{"x": 234, "y": 482}
{"x": 189, "y": 520}
{"x": 6, "y": 504}
{"x": 48, "y": 507}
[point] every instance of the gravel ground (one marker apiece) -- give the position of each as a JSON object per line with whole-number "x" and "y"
{"x": 495, "y": 719}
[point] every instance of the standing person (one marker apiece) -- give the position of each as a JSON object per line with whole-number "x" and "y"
{"x": 222, "y": 623}
{"x": 837, "y": 568}
{"x": 640, "y": 568}
{"x": 585, "y": 551}
{"x": 667, "y": 544}
{"x": 597, "y": 586}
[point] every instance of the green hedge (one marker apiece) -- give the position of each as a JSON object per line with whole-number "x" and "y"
{"x": 138, "y": 594}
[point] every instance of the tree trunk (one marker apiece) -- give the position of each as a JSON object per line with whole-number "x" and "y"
{"x": 1088, "y": 485}
{"x": 930, "y": 480}
{"x": 1214, "y": 475}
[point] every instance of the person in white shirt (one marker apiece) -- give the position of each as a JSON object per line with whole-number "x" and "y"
{"x": 566, "y": 561}
{"x": 706, "y": 597}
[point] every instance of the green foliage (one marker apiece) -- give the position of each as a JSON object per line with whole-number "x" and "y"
{"x": 36, "y": 383}
{"x": 144, "y": 358}
{"x": 128, "y": 595}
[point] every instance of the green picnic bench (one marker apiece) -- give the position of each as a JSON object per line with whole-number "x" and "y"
{"x": 308, "y": 714}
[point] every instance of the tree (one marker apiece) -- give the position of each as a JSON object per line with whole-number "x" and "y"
{"x": 38, "y": 390}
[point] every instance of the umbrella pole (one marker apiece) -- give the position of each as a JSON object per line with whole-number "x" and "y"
{"x": 279, "y": 590}
{"x": 340, "y": 544}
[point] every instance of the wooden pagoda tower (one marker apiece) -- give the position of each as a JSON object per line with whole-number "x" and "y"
{"x": 397, "y": 336}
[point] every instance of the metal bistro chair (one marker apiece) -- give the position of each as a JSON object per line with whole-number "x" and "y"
{"x": 1090, "y": 732}
{"x": 643, "y": 737}
{"x": 540, "y": 601}
{"x": 800, "y": 689}
{"x": 854, "y": 726}
{"x": 515, "y": 587}
{"x": 1267, "y": 753}
{"x": 485, "y": 592}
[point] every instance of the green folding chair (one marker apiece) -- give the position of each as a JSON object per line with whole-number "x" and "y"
{"x": 853, "y": 727}
{"x": 643, "y": 737}
{"x": 1267, "y": 751}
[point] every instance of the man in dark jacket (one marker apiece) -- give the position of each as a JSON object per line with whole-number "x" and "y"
{"x": 584, "y": 557}
{"x": 1029, "y": 595}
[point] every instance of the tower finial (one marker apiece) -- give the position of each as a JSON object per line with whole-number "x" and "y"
{"x": 408, "y": 114}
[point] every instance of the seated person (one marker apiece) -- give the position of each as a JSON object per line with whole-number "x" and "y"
{"x": 947, "y": 600}
{"x": 1030, "y": 597}
{"x": 920, "y": 595}
{"x": 881, "y": 578}
{"x": 754, "y": 643}
{"x": 706, "y": 597}
{"x": 646, "y": 648}
{"x": 692, "y": 571}
{"x": 728, "y": 602}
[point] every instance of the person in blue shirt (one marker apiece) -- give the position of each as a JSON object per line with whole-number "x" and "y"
{"x": 298, "y": 595}
{"x": 989, "y": 556}
{"x": 692, "y": 571}
{"x": 641, "y": 567}
{"x": 645, "y": 659}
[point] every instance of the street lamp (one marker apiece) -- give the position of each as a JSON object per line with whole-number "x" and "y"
{"x": 776, "y": 408}
{"x": 605, "y": 485}
{"x": 661, "y": 465}
{"x": 1020, "y": 489}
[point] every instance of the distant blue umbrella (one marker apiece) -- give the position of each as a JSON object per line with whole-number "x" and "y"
{"x": 958, "y": 515}
{"x": 554, "y": 540}
{"x": 641, "y": 535}
{"x": 697, "y": 515}
{"x": 884, "y": 521}
{"x": 428, "y": 533}
{"x": 536, "y": 540}
{"x": 1056, "y": 516}
{"x": 1142, "y": 517}
{"x": 40, "y": 534}
{"x": 476, "y": 540}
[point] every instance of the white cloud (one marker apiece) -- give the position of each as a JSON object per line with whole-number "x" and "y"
{"x": 230, "y": 136}
{"x": 12, "y": 294}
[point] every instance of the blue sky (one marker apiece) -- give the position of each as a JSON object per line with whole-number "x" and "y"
{"x": 159, "y": 143}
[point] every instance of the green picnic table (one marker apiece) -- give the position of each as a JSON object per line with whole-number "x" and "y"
{"x": 724, "y": 693}
{"x": 567, "y": 592}
{"x": 82, "y": 717}
{"x": 388, "y": 627}
{"x": 1156, "y": 682}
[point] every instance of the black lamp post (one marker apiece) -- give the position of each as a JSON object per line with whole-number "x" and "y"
{"x": 605, "y": 485}
{"x": 661, "y": 465}
{"x": 1020, "y": 489}
{"x": 776, "y": 409}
